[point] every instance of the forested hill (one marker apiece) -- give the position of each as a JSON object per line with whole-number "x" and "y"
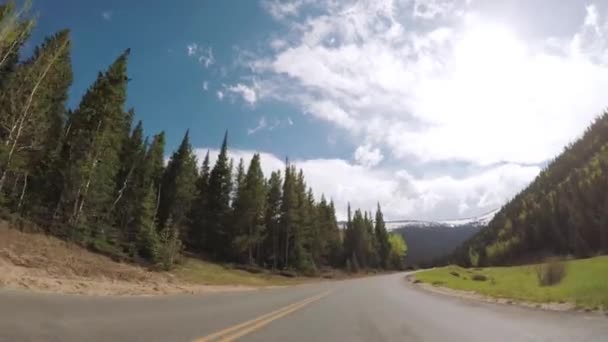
{"x": 564, "y": 211}
{"x": 428, "y": 243}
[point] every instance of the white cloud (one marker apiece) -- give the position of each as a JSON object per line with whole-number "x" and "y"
{"x": 401, "y": 195}
{"x": 206, "y": 57}
{"x": 106, "y": 15}
{"x": 367, "y": 156}
{"x": 280, "y": 9}
{"x": 465, "y": 89}
{"x": 205, "y": 85}
{"x": 261, "y": 125}
{"x": 289, "y": 121}
{"x": 417, "y": 84}
{"x": 433, "y": 9}
{"x": 247, "y": 93}
{"x": 203, "y": 54}
{"x": 278, "y": 44}
{"x": 220, "y": 95}
{"x": 192, "y": 49}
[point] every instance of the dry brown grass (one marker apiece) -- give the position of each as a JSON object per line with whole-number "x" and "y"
{"x": 44, "y": 263}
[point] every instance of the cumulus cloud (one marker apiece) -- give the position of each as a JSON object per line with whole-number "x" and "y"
{"x": 220, "y": 95}
{"x": 247, "y": 93}
{"x": 367, "y": 156}
{"x": 461, "y": 87}
{"x": 423, "y": 83}
{"x": 431, "y": 9}
{"x": 205, "y": 85}
{"x": 401, "y": 194}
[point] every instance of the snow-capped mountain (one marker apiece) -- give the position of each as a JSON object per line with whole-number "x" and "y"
{"x": 478, "y": 221}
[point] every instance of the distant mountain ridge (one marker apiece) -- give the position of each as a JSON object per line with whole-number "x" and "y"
{"x": 481, "y": 220}
{"x": 429, "y": 241}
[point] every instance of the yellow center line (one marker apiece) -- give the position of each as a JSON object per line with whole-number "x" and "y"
{"x": 257, "y": 323}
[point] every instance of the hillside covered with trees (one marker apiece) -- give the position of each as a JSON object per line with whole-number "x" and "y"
{"x": 91, "y": 175}
{"x": 429, "y": 244}
{"x": 564, "y": 211}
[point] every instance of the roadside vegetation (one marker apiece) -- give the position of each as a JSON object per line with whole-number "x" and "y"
{"x": 202, "y": 272}
{"x": 582, "y": 282}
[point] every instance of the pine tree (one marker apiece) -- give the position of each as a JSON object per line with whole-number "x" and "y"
{"x": 327, "y": 245}
{"x": 334, "y": 241}
{"x": 155, "y": 163}
{"x": 31, "y": 104}
{"x": 179, "y": 187}
{"x": 239, "y": 183}
{"x": 289, "y": 215}
{"x": 255, "y": 206}
{"x": 218, "y": 204}
{"x": 371, "y": 242}
{"x": 237, "y": 234}
{"x": 302, "y": 229}
{"x": 273, "y": 219}
{"x": 91, "y": 150}
{"x": 198, "y": 211}
{"x": 130, "y": 187}
{"x": 349, "y": 235}
{"x": 382, "y": 238}
{"x": 147, "y": 239}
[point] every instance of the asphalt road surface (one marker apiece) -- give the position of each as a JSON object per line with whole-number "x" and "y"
{"x": 382, "y": 308}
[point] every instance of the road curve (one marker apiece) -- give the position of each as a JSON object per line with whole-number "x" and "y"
{"x": 382, "y": 308}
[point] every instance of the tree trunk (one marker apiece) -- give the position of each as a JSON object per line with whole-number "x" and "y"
{"x": 275, "y": 247}
{"x": 123, "y": 188}
{"x": 83, "y": 191}
{"x": 157, "y": 205}
{"x": 286, "y": 247}
{"x": 23, "y": 191}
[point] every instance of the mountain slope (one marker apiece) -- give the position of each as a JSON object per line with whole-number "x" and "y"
{"x": 426, "y": 244}
{"x": 563, "y": 211}
{"x": 429, "y": 241}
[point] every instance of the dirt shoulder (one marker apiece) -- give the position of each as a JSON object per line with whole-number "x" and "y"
{"x": 44, "y": 263}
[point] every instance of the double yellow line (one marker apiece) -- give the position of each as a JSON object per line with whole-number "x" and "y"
{"x": 242, "y": 329}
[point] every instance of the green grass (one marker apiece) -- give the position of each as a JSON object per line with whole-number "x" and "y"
{"x": 585, "y": 284}
{"x": 202, "y": 272}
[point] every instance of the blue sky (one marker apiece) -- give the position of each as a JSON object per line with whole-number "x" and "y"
{"x": 437, "y": 109}
{"x": 167, "y": 84}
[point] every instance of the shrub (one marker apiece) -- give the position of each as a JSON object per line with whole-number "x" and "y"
{"x": 479, "y": 277}
{"x": 550, "y": 272}
{"x": 168, "y": 249}
{"x": 473, "y": 257}
{"x": 455, "y": 274}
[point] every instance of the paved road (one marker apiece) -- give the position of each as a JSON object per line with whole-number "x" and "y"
{"x": 382, "y": 308}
